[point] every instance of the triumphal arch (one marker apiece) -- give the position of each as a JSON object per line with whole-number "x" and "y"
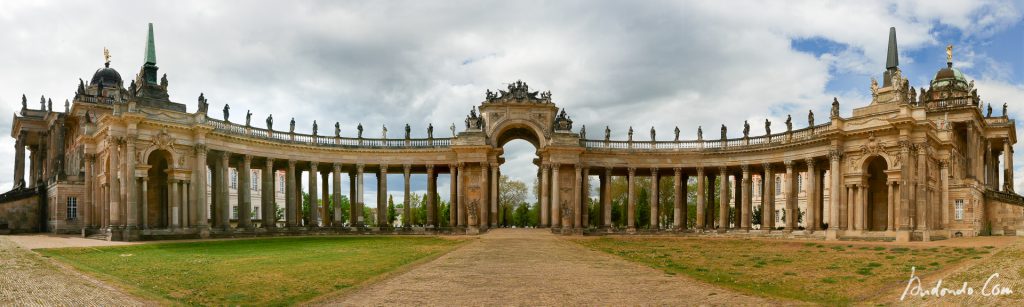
{"x": 122, "y": 161}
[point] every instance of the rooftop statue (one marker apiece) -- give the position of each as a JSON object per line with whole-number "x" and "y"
{"x": 630, "y": 134}
{"x": 835, "y": 107}
{"x": 360, "y": 130}
{"x": 700, "y": 134}
{"x": 874, "y": 87}
{"x": 337, "y": 129}
{"x": 677, "y": 134}
{"x": 989, "y": 113}
{"x": 226, "y": 111}
{"x": 723, "y": 132}
{"x": 203, "y": 106}
{"x": 384, "y": 131}
{"x": 430, "y": 130}
{"x": 949, "y": 53}
{"x": 453, "y": 129}
{"x": 314, "y": 127}
{"x": 746, "y": 129}
{"x": 291, "y": 126}
{"x": 248, "y": 117}
{"x": 407, "y": 131}
{"x": 270, "y": 122}
{"x": 24, "y": 102}
{"x": 163, "y": 81}
{"x": 583, "y": 132}
{"x": 607, "y": 133}
{"x": 912, "y": 96}
{"x": 49, "y": 104}
{"x": 42, "y": 103}
{"x": 1004, "y": 109}
{"x": 767, "y": 127}
{"x": 652, "y": 134}
{"x": 789, "y": 123}
{"x": 67, "y": 107}
{"x": 810, "y": 118}
{"x": 81, "y": 87}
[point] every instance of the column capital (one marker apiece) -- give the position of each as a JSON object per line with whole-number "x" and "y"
{"x": 247, "y": 159}
{"x": 745, "y": 168}
{"x": 677, "y": 171}
{"x": 767, "y": 166}
{"x": 608, "y": 171}
{"x": 835, "y": 154}
{"x": 545, "y": 166}
{"x": 359, "y": 167}
{"x": 579, "y": 168}
{"x": 723, "y": 169}
{"x": 654, "y": 170}
{"x": 495, "y": 165}
{"x": 406, "y": 168}
{"x": 225, "y": 156}
{"x": 291, "y": 163}
{"x": 270, "y": 162}
{"x": 810, "y": 162}
{"x": 555, "y": 166}
{"x": 700, "y": 171}
{"x": 90, "y": 157}
{"x": 313, "y": 164}
{"x": 430, "y": 169}
{"x": 789, "y": 165}
{"x": 632, "y": 171}
{"x": 383, "y": 168}
{"x": 200, "y": 149}
{"x": 336, "y": 167}
{"x": 453, "y": 166}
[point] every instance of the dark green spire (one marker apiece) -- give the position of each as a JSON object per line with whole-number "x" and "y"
{"x": 892, "y": 60}
{"x": 150, "y": 47}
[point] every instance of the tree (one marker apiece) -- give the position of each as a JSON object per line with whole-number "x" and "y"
{"x": 392, "y": 215}
{"x": 511, "y": 194}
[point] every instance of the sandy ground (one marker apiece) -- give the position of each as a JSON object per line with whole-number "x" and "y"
{"x": 36, "y": 241}
{"x": 533, "y": 267}
{"x": 28, "y": 279}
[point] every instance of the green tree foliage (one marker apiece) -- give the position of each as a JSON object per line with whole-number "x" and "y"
{"x": 392, "y": 215}
{"x": 511, "y": 194}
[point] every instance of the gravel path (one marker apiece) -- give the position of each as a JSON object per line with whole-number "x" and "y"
{"x": 534, "y": 267}
{"x": 27, "y": 279}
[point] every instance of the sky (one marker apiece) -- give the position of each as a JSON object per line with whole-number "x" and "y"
{"x": 643, "y": 64}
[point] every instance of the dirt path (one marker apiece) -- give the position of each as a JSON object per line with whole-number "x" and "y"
{"x": 534, "y": 267}
{"x": 27, "y": 279}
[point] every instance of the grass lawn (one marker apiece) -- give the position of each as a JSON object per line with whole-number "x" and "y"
{"x": 828, "y": 273}
{"x": 266, "y": 271}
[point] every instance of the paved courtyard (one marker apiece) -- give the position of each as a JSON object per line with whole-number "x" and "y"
{"x": 534, "y": 267}
{"x": 27, "y": 279}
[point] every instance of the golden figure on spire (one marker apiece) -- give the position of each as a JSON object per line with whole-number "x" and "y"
{"x": 949, "y": 54}
{"x": 106, "y": 56}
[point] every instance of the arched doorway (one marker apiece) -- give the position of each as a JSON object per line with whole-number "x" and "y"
{"x": 878, "y": 194}
{"x": 158, "y": 210}
{"x": 519, "y": 176}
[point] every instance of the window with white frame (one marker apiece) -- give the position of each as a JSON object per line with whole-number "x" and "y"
{"x": 778, "y": 186}
{"x": 72, "y": 208}
{"x": 280, "y": 183}
{"x": 254, "y": 178}
{"x": 958, "y": 209}
{"x": 799, "y": 183}
{"x": 234, "y": 212}
{"x": 234, "y": 179}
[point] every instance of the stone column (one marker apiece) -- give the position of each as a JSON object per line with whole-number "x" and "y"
{"x": 482, "y": 216}
{"x": 19, "y": 160}
{"x": 577, "y": 199}
{"x": 922, "y": 189}
{"x": 222, "y": 199}
{"x": 326, "y": 217}
{"x": 314, "y": 199}
{"x": 791, "y": 195}
{"x": 90, "y": 183}
{"x": 382, "y": 197}
{"x": 723, "y": 203}
{"x": 453, "y": 211}
{"x": 545, "y": 207}
{"x": 145, "y": 202}
{"x": 768, "y": 198}
{"x": 336, "y": 221}
{"x": 745, "y": 215}
{"x": 701, "y": 215}
{"x": 431, "y": 198}
{"x": 495, "y": 179}
{"x": 289, "y": 196}
{"x": 606, "y": 198}
{"x": 202, "y": 205}
{"x": 1007, "y": 166}
{"x": 131, "y": 197}
{"x": 556, "y": 205}
{"x": 678, "y": 214}
{"x": 113, "y": 181}
{"x": 835, "y": 186}
{"x": 185, "y": 203}
{"x": 174, "y": 201}
{"x": 944, "y": 190}
{"x": 862, "y": 202}
{"x": 851, "y": 216}
{"x": 267, "y": 198}
{"x": 631, "y": 201}
{"x": 585, "y": 205}
{"x": 655, "y": 205}
{"x": 407, "y": 207}
{"x": 357, "y": 192}
{"x": 459, "y": 199}
{"x": 810, "y": 221}
{"x": 710, "y": 194}
{"x": 890, "y": 207}
{"x": 245, "y": 193}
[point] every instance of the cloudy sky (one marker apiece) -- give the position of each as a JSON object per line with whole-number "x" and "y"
{"x": 614, "y": 63}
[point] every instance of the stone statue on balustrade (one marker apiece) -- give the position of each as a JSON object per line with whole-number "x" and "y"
{"x": 203, "y": 106}
{"x": 1004, "y": 109}
{"x": 407, "y": 131}
{"x": 652, "y": 134}
{"x": 227, "y": 110}
{"x": 810, "y": 118}
{"x": 270, "y": 122}
{"x": 430, "y": 130}
{"x": 630, "y": 138}
{"x": 989, "y": 112}
{"x": 24, "y": 102}
{"x": 767, "y": 127}
{"x": 384, "y": 131}
{"x": 700, "y": 133}
{"x": 607, "y": 133}
{"x": 337, "y": 129}
{"x": 359, "y": 130}
{"x": 291, "y": 126}
{"x": 453, "y": 129}
{"x": 248, "y": 117}
{"x": 315, "y": 128}
{"x": 835, "y": 107}
{"x": 789, "y": 123}
{"x": 677, "y": 134}
{"x": 746, "y": 129}
{"x": 723, "y": 132}
{"x": 583, "y": 132}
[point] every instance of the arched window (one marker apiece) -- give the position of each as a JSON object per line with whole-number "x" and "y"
{"x": 254, "y": 179}
{"x": 234, "y": 179}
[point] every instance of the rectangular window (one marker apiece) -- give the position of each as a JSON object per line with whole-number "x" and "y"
{"x": 72, "y": 208}
{"x": 280, "y": 183}
{"x": 958, "y": 207}
{"x": 799, "y": 183}
{"x": 234, "y": 179}
{"x": 255, "y": 179}
{"x": 256, "y": 212}
{"x": 234, "y": 212}
{"x": 778, "y": 186}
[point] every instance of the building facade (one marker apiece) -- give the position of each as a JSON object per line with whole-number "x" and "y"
{"x": 127, "y": 163}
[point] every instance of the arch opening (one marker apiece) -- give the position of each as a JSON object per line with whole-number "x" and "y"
{"x": 158, "y": 210}
{"x": 878, "y": 194}
{"x": 519, "y": 178}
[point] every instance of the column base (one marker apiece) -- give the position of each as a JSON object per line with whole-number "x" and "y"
{"x": 204, "y": 231}
{"x": 831, "y": 235}
{"x": 902, "y": 236}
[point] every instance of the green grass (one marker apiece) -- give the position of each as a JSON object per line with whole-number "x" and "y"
{"x": 826, "y": 273}
{"x": 267, "y": 271}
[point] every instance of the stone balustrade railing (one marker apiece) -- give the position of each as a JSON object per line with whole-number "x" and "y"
{"x": 326, "y": 141}
{"x": 950, "y": 103}
{"x": 1005, "y": 196}
{"x": 758, "y": 141}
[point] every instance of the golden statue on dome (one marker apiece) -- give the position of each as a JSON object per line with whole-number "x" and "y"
{"x": 949, "y": 53}
{"x": 106, "y": 56}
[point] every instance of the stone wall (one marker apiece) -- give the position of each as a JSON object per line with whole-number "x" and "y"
{"x": 19, "y": 211}
{"x": 1005, "y": 218}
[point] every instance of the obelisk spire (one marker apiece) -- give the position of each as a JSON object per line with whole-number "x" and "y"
{"x": 150, "y": 47}
{"x": 892, "y": 60}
